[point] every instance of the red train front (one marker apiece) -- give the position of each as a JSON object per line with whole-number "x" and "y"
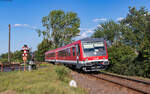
{"x": 89, "y": 54}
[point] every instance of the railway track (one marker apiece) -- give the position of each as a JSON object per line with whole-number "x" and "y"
{"x": 134, "y": 84}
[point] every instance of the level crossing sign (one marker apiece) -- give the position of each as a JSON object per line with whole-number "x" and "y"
{"x": 24, "y": 58}
{"x": 25, "y": 51}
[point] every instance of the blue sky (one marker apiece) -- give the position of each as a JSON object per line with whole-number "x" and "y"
{"x": 25, "y": 16}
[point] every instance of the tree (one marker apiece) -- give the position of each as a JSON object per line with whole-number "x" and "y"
{"x": 44, "y": 46}
{"x": 137, "y": 22}
{"x": 4, "y": 57}
{"x": 110, "y": 31}
{"x": 60, "y": 27}
{"x": 16, "y": 56}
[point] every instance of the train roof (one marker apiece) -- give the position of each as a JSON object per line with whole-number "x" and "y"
{"x": 92, "y": 39}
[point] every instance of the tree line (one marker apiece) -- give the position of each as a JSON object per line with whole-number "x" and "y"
{"x": 15, "y": 57}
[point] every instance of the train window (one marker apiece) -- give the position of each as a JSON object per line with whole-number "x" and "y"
{"x": 78, "y": 49}
{"x": 47, "y": 55}
{"x": 60, "y": 53}
{"x": 51, "y": 55}
{"x": 94, "y": 49}
{"x": 73, "y": 51}
{"x": 69, "y": 53}
{"x": 66, "y": 51}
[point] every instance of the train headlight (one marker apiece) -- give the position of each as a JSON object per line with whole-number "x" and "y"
{"x": 86, "y": 59}
{"x": 103, "y": 58}
{"x": 83, "y": 61}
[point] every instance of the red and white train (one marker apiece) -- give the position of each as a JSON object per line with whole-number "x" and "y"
{"x": 89, "y": 54}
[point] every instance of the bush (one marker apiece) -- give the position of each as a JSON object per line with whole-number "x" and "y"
{"x": 4, "y": 60}
{"x": 62, "y": 72}
{"x": 121, "y": 59}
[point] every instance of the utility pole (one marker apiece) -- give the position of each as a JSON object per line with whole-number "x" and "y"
{"x": 9, "y": 45}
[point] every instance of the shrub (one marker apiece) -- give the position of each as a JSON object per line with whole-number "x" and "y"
{"x": 4, "y": 60}
{"x": 121, "y": 59}
{"x": 62, "y": 72}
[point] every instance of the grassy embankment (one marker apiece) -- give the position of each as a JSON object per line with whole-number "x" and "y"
{"x": 50, "y": 80}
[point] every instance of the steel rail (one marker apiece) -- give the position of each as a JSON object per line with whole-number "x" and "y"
{"x": 135, "y": 89}
{"x": 130, "y": 79}
{"x": 121, "y": 84}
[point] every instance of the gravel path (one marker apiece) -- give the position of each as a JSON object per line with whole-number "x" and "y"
{"x": 96, "y": 86}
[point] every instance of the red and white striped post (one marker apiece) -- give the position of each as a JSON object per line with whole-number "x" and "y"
{"x": 1, "y": 67}
{"x": 25, "y": 50}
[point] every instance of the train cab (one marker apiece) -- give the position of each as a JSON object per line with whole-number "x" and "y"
{"x": 95, "y": 56}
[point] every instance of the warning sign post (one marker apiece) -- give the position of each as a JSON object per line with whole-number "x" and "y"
{"x": 25, "y": 50}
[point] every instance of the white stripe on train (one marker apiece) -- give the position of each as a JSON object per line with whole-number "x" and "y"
{"x": 72, "y": 62}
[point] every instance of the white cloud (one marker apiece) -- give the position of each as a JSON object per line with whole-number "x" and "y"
{"x": 99, "y": 26}
{"x": 99, "y": 19}
{"x": 34, "y": 27}
{"x": 21, "y": 25}
{"x": 24, "y": 26}
{"x": 85, "y": 32}
{"x": 90, "y": 31}
{"x": 83, "y": 29}
{"x": 120, "y": 18}
{"x": 17, "y": 25}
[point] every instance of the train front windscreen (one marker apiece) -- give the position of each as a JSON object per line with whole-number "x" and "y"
{"x": 94, "y": 49}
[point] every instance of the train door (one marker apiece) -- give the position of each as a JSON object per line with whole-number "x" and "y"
{"x": 69, "y": 53}
{"x": 74, "y": 53}
{"x": 77, "y": 53}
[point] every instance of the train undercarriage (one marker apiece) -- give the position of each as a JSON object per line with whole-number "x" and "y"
{"x": 87, "y": 67}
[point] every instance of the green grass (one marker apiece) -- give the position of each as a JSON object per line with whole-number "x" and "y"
{"x": 43, "y": 81}
{"x": 44, "y": 64}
